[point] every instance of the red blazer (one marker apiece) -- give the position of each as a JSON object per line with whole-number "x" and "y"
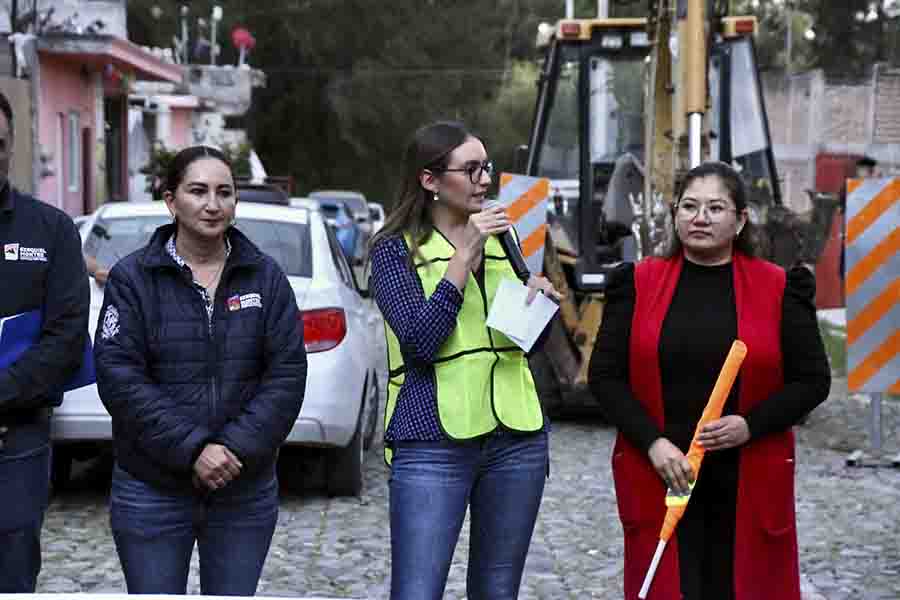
{"x": 765, "y": 554}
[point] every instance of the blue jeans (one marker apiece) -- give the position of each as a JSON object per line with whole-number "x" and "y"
{"x": 500, "y": 478}
{"x": 155, "y": 531}
{"x": 24, "y": 486}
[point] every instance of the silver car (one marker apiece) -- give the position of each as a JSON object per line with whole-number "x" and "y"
{"x": 340, "y": 406}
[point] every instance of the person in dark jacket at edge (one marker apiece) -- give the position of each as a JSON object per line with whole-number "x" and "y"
{"x": 41, "y": 269}
{"x": 202, "y": 366}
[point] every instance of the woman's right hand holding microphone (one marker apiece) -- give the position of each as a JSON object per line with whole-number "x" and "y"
{"x": 491, "y": 220}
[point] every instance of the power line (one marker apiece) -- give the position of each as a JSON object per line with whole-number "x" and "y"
{"x": 415, "y": 72}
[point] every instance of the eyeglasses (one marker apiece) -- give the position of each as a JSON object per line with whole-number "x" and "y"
{"x": 474, "y": 170}
{"x": 688, "y": 210}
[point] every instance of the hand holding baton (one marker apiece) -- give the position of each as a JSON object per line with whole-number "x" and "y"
{"x": 677, "y": 504}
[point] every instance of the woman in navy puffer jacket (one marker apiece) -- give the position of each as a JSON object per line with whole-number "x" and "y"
{"x": 203, "y": 369}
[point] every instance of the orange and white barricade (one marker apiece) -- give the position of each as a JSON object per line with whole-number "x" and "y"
{"x": 525, "y": 199}
{"x": 872, "y": 283}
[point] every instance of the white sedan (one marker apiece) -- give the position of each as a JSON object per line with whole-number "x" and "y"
{"x": 340, "y": 406}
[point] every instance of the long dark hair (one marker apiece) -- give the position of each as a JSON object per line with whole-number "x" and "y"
{"x": 747, "y": 240}
{"x": 429, "y": 148}
{"x": 184, "y": 159}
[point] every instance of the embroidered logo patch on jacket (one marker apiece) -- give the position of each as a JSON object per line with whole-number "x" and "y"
{"x": 11, "y": 252}
{"x": 110, "y": 323}
{"x": 14, "y": 252}
{"x": 238, "y": 302}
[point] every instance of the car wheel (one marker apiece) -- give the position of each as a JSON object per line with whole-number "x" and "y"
{"x": 345, "y": 465}
{"x": 60, "y": 468}
{"x": 372, "y": 413}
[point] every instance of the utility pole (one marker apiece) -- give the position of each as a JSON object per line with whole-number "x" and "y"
{"x": 602, "y": 9}
{"x": 185, "y": 48}
{"x": 13, "y": 17}
{"x": 789, "y": 43}
{"x": 789, "y": 51}
{"x": 213, "y": 34}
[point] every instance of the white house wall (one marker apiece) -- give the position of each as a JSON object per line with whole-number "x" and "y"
{"x": 111, "y": 12}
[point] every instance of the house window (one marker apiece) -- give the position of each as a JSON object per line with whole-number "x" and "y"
{"x": 59, "y": 164}
{"x": 74, "y": 152}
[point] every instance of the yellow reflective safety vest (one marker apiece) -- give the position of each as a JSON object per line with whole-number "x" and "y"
{"x": 482, "y": 378}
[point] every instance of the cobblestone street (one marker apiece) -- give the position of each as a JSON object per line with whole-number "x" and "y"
{"x": 849, "y": 524}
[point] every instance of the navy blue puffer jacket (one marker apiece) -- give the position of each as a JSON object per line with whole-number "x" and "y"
{"x": 173, "y": 384}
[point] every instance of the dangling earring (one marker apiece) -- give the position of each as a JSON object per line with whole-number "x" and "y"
{"x": 436, "y": 197}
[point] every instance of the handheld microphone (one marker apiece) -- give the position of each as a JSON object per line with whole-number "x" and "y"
{"x": 511, "y": 247}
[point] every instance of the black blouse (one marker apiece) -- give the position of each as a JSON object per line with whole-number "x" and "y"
{"x": 696, "y": 335}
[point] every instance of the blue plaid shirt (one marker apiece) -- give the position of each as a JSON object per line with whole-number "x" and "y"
{"x": 421, "y": 325}
{"x": 207, "y": 299}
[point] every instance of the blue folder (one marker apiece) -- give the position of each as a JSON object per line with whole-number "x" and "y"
{"x": 19, "y": 332}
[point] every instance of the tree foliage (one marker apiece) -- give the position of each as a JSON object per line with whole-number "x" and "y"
{"x": 348, "y": 81}
{"x": 843, "y": 38}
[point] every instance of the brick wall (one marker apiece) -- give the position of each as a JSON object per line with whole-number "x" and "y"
{"x": 808, "y": 114}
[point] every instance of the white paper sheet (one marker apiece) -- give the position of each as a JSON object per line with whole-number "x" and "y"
{"x": 520, "y": 322}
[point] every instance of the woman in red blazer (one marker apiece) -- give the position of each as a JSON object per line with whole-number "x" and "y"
{"x": 667, "y": 327}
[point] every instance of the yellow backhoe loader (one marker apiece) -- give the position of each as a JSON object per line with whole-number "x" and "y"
{"x": 625, "y": 107}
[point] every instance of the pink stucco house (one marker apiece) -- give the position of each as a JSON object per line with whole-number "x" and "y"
{"x": 96, "y": 104}
{"x": 81, "y": 85}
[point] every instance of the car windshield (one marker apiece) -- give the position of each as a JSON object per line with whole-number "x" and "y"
{"x": 112, "y": 239}
{"x": 357, "y": 205}
{"x": 287, "y": 243}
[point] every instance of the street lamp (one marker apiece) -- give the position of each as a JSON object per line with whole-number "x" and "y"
{"x": 156, "y": 12}
{"x": 214, "y": 43}
{"x": 185, "y": 49}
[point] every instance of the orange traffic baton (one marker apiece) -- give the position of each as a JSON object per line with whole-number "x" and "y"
{"x": 676, "y": 503}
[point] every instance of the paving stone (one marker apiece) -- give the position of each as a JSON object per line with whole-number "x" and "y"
{"x": 848, "y": 523}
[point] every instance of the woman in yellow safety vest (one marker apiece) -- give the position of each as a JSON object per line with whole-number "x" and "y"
{"x": 463, "y": 424}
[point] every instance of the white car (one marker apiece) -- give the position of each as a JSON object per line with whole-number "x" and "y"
{"x": 340, "y": 405}
{"x": 82, "y": 222}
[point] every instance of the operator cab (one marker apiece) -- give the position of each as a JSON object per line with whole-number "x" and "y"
{"x": 591, "y": 89}
{"x": 590, "y": 119}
